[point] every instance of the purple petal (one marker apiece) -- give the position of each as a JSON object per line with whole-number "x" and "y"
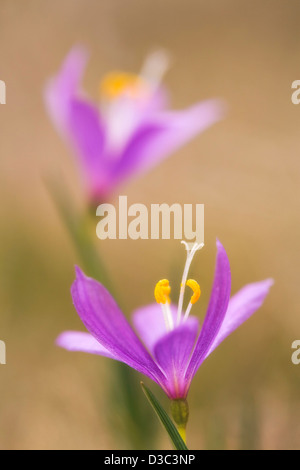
{"x": 87, "y": 132}
{"x": 82, "y": 342}
{"x": 87, "y": 136}
{"x": 158, "y": 100}
{"x": 78, "y": 120}
{"x": 64, "y": 86}
{"x": 104, "y": 320}
{"x": 150, "y": 325}
{"x": 241, "y": 306}
{"x": 215, "y": 314}
{"x": 164, "y": 133}
{"x": 173, "y": 352}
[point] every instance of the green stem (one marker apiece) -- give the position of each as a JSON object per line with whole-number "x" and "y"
{"x": 180, "y": 414}
{"x": 79, "y": 228}
{"x": 128, "y": 405}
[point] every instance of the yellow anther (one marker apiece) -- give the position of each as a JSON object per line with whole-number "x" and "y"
{"x": 117, "y": 83}
{"x": 195, "y": 288}
{"x": 162, "y": 292}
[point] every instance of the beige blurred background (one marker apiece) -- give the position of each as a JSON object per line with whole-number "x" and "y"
{"x": 245, "y": 170}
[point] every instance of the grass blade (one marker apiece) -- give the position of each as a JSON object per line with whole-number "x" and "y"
{"x": 164, "y": 419}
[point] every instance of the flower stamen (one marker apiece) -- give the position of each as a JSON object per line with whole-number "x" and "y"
{"x": 162, "y": 291}
{"x": 195, "y": 297}
{"x": 196, "y": 290}
{"x": 162, "y": 296}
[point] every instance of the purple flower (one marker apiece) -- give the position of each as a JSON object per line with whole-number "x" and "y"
{"x": 129, "y": 130}
{"x": 168, "y": 347}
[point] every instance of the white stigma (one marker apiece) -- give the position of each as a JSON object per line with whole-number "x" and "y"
{"x": 155, "y": 67}
{"x": 190, "y": 255}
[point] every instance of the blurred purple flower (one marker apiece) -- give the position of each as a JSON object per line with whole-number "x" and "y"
{"x": 169, "y": 348}
{"x": 130, "y": 130}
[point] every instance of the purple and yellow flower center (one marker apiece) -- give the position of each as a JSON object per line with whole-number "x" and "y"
{"x": 136, "y": 86}
{"x": 117, "y": 84}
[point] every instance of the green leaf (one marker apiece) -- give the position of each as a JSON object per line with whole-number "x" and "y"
{"x": 167, "y": 423}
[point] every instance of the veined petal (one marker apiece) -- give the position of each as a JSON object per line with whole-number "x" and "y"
{"x": 241, "y": 306}
{"x": 164, "y": 133}
{"x": 82, "y": 342}
{"x": 217, "y": 308}
{"x": 173, "y": 352}
{"x": 104, "y": 320}
{"x": 150, "y": 324}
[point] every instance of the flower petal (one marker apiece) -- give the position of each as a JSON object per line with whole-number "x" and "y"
{"x": 173, "y": 352}
{"x": 165, "y": 132}
{"x": 78, "y": 120}
{"x": 215, "y": 314}
{"x": 104, "y": 320}
{"x": 82, "y": 342}
{"x": 64, "y": 86}
{"x": 87, "y": 137}
{"x": 150, "y": 325}
{"x": 241, "y": 306}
